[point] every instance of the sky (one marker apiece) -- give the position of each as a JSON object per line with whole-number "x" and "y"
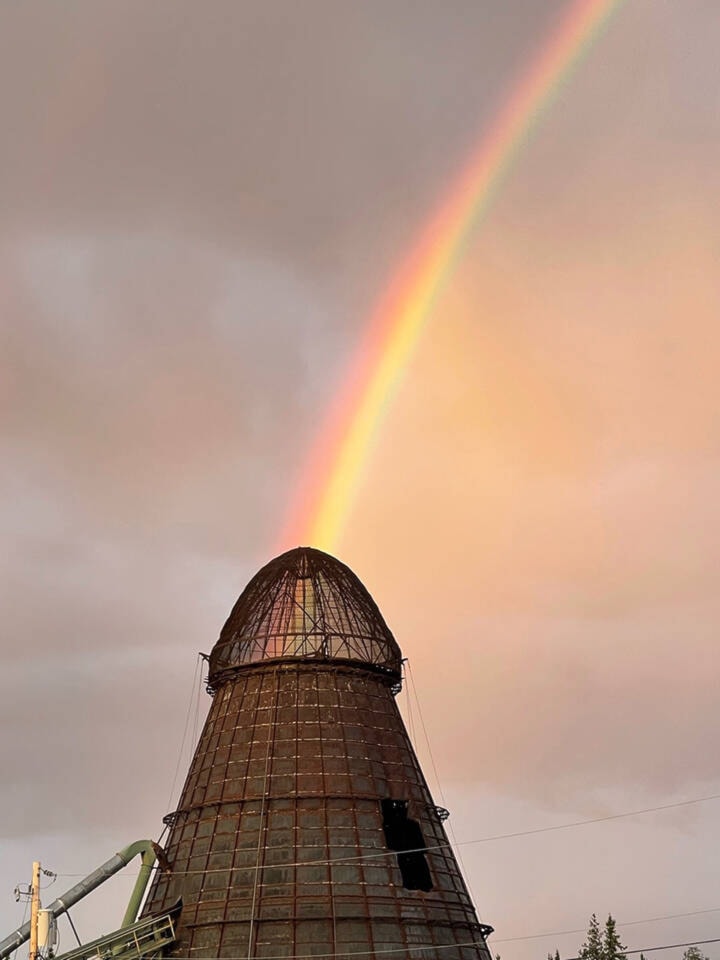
{"x": 201, "y": 205}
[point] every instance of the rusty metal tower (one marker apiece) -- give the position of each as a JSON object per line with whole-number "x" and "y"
{"x": 305, "y": 826}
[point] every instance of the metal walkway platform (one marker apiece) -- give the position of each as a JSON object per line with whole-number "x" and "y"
{"x": 145, "y": 939}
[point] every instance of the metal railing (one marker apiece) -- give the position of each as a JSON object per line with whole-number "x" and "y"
{"x": 143, "y": 939}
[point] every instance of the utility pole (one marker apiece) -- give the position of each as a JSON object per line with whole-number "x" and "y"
{"x": 34, "y": 910}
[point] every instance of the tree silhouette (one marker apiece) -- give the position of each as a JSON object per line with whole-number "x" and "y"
{"x": 694, "y": 953}
{"x": 592, "y": 948}
{"x": 603, "y": 944}
{"x": 613, "y": 948}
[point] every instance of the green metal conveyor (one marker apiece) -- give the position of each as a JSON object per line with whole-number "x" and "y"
{"x": 144, "y": 939}
{"x": 135, "y": 939}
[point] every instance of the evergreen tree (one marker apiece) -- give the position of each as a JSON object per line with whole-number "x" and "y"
{"x": 554, "y": 956}
{"x": 592, "y": 948}
{"x": 613, "y": 948}
{"x": 604, "y": 944}
{"x": 694, "y": 953}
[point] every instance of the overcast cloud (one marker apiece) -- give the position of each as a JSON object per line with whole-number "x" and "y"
{"x": 200, "y": 205}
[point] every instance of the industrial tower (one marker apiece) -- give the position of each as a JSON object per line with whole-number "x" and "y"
{"x": 305, "y": 826}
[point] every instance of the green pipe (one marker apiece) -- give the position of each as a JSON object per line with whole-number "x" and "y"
{"x": 148, "y": 850}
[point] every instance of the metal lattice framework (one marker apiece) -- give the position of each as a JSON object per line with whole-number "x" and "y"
{"x": 304, "y": 604}
{"x": 305, "y": 826}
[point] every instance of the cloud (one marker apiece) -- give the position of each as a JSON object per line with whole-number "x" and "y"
{"x": 199, "y": 210}
{"x": 155, "y": 410}
{"x": 539, "y": 520}
{"x": 142, "y": 372}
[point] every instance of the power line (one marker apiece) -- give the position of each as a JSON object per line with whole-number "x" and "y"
{"x": 665, "y": 946}
{"x": 383, "y": 952}
{"x": 626, "y": 923}
{"x": 198, "y": 661}
{"x": 438, "y": 781}
{"x": 669, "y": 916}
{"x": 461, "y": 843}
{"x": 583, "y": 823}
{"x": 25, "y": 909}
{"x": 531, "y": 936}
{"x": 412, "y": 948}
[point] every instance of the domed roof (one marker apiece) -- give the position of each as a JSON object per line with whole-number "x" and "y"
{"x": 304, "y": 604}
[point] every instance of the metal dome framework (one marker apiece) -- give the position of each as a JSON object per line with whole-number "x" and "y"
{"x": 305, "y": 604}
{"x": 305, "y": 826}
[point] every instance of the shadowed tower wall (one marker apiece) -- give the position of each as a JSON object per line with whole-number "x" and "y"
{"x": 305, "y": 826}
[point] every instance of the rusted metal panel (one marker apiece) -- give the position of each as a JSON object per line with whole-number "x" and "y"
{"x": 278, "y": 846}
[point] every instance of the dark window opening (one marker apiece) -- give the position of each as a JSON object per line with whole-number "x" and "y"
{"x": 405, "y": 836}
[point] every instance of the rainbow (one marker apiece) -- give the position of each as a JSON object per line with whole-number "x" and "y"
{"x": 338, "y": 461}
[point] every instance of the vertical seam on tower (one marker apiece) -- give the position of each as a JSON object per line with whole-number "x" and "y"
{"x": 296, "y": 812}
{"x": 321, "y": 752}
{"x": 262, "y": 831}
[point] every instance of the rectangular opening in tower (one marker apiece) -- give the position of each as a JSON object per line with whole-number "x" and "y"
{"x": 404, "y": 835}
